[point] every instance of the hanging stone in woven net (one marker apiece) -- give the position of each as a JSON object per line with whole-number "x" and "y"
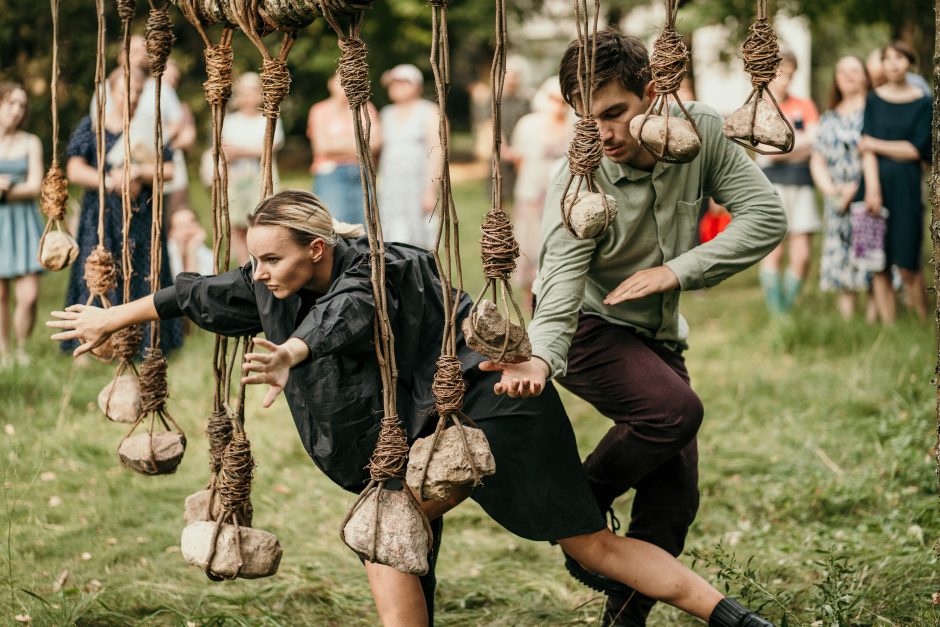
{"x": 451, "y": 463}
{"x": 769, "y": 127}
{"x": 680, "y": 144}
{"x": 120, "y": 399}
{"x": 485, "y": 331}
{"x": 205, "y": 505}
{"x": 398, "y": 535}
{"x": 156, "y": 453}
{"x": 57, "y": 250}
{"x": 256, "y": 553}
{"x": 590, "y": 213}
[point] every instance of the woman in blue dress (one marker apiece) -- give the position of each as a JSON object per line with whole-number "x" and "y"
{"x": 20, "y": 224}
{"x": 836, "y": 166}
{"x": 895, "y": 139}
{"x": 82, "y": 170}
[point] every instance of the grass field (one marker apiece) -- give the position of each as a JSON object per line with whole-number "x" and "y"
{"x": 819, "y": 493}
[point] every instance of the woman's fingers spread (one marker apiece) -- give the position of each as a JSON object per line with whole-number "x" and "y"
{"x": 83, "y": 348}
{"x": 263, "y": 343}
{"x": 262, "y": 357}
{"x": 65, "y": 335}
{"x": 255, "y": 379}
{"x": 60, "y": 324}
{"x": 76, "y": 308}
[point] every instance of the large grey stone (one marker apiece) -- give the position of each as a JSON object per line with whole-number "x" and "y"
{"x": 402, "y": 540}
{"x": 59, "y": 249}
{"x": 683, "y": 145}
{"x": 120, "y": 399}
{"x": 260, "y": 550}
{"x": 587, "y": 216}
{"x": 769, "y": 127}
{"x": 488, "y": 332}
{"x": 197, "y": 508}
{"x": 168, "y": 448}
{"x": 449, "y": 466}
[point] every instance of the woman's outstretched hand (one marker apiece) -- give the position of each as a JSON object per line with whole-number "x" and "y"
{"x": 91, "y": 326}
{"x": 274, "y": 366}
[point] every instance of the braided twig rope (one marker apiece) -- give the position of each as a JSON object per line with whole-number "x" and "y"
{"x": 668, "y": 65}
{"x": 586, "y": 148}
{"x": 761, "y": 53}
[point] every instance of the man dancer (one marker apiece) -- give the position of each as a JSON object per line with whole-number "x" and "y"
{"x": 607, "y": 324}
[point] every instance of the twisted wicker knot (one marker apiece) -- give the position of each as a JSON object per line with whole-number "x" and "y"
{"x": 54, "y": 194}
{"x": 153, "y": 387}
{"x": 354, "y": 71}
{"x": 448, "y": 386}
{"x": 218, "y": 85}
{"x": 160, "y": 40}
{"x": 498, "y": 245}
{"x": 668, "y": 61}
{"x": 236, "y": 473}
{"x": 275, "y": 83}
{"x": 761, "y": 53}
{"x": 126, "y": 9}
{"x": 126, "y": 342}
{"x": 219, "y": 429}
{"x": 100, "y": 273}
{"x": 391, "y": 451}
{"x": 586, "y": 148}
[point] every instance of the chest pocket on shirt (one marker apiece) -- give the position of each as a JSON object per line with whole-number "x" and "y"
{"x": 687, "y": 223}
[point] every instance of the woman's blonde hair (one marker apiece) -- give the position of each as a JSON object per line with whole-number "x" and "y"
{"x": 304, "y": 215}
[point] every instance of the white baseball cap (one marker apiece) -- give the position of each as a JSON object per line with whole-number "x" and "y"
{"x": 403, "y": 72}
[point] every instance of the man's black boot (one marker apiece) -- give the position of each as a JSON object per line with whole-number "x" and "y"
{"x": 730, "y": 613}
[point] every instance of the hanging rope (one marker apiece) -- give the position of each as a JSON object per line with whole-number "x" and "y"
{"x": 498, "y": 246}
{"x": 586, "y": 148}
{"x": 275, "y": 81}
{"x": 668, "y": 63}
{"x": 218, "y": 89}
{"x": 390, "y": 458}
{"x": 749, "y": 126}
{"x": 57, "y": 249}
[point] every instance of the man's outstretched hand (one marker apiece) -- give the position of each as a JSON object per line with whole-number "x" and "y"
{"x": 519, "y": 380}
{"x": 644, "y": 283}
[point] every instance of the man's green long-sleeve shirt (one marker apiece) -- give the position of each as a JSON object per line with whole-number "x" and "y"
{"x": 655, "y": 225}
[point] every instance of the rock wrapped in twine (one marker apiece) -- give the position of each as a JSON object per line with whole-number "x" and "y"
{"x": 354, "y": 71}
{"x": 275, "y": 85}
{"x": 347, "y": 7}
{"x": 57, "y": 249}
{"x": 219, "y": 431}
{"x": 759, "y": 122}
{"x": 236, "y": 473}
{"x": 160, "y": 38}
{"x": 287, "y": 15}
{"x": 391, "y": 451}
{"x": 448, "y": 386}
{"x": 584, "y": 156}
{"x": 498, "y": 246}
{"x": 669, "y": 138}
{"x": 211, "y": 12}
{"x": 127, "y": 342}
{"x": 218, "y": 84}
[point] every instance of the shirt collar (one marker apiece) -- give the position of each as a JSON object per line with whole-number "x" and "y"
{"x": 616, "y": 172}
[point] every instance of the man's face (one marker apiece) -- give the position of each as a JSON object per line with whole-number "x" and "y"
{"x": 613, "y": 106}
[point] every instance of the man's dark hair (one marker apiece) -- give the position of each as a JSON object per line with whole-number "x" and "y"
{"x": 619, "y": 58}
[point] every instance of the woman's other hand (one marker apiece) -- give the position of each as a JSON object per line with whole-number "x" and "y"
{"x": 91, "y": 326}
{"x": 274, "y": 366}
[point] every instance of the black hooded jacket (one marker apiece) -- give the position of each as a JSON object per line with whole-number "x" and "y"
{"x": 335, "y": 395}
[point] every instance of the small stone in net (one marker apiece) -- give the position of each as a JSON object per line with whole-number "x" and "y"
{"x": 120, "y": 399}
{"x": 260, "y": 550}
{"x": 59, "y": 250}
{"x": 684, "y": 144}
{"x": 197, "y": 509}
{"x": 588, "y": 215}
{"x": 485, "y": 332}
{"x": 168, "y": 449}
{"x": 769, "y": 127}
{"x": 449, "y": 466}
{"x": 401, "y": 539}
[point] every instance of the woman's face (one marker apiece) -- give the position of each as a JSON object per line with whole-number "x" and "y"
{"x": 850, "y": 77}
{"x": 895, "y": 66}
{"x": 400, "y": 91}
{"x": 278, "y": 261}
{"x": 248, "y": 93}
{"x": 13, "y": 109}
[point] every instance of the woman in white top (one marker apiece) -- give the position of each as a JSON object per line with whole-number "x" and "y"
{"x": 410, "y": 162}
{"x": 242, "y": 142}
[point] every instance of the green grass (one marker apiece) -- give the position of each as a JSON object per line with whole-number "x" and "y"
{"x": 816, "y": 471}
